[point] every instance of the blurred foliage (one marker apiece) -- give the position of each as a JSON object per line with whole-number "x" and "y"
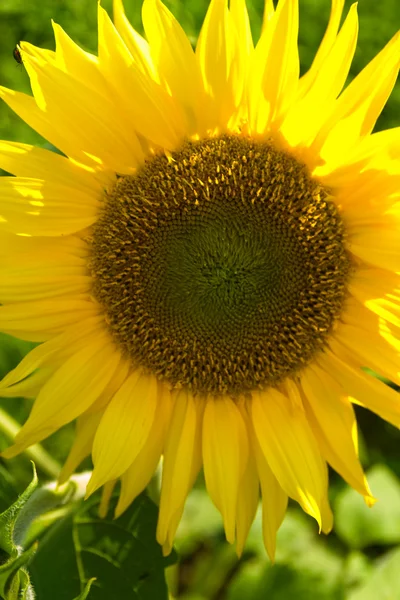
{"x": 360, "y": 559}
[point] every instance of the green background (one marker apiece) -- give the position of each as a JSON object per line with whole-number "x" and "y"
{"x": 360, "y": 560}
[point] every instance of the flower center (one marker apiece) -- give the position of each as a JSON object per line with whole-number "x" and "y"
{"x": 221, "y": 268}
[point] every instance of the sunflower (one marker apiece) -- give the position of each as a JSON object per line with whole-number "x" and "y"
{"x": 210, "y": 264}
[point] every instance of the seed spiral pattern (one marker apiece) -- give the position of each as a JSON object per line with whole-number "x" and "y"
{"x": 221, "y": 268}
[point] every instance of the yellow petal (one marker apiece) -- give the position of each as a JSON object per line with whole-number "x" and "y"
{"x": 378, "y": 151}
{"x": 247, "y": 502}
{"x": 382, "y": 145}
{"x": 325, "y": 47}
{"x": 326, "y": 512}
{"x": 243, "y": 56}
{"x": 35, "y": 282}
{"x": 29, "y": 387}
{"x": 363, "y": 388}
{"x": 86, "y": 426}
{"x": 39, "y": 246}
{"x": 124, "y": 428}
{"x": 25, "y": 160}
{"x": 40, "y": 320}
{"x": 52, "y": 353}
{"x": 334, "y": 425}
{"x": 357, "y": 315}
{"x": 274, "y": 499}
{"x": 120, "y": 376}
{"x": 75, "y": 385}
{"x": 307, "y": 115}
{"x": 215, "y": 52}
{"x": 79, "y": 64}
{"x": 268, "y": 14}
{"x": 136, "y": 44}
{"x": 106, "y": 495}
{"x": 240, "y": 18}
{"x": 85, "y": 118}
{"x": 369, "y": 202}
{"x": 27, "y": 49}
{"x": 138, "y": 475}
{"x": 378, "y": 247}
{"x": 32, "y": 256}
{"x": 359, "y": 106}
{"x": 273, "y": 83}
{"x": 182, "y": 462}
{"x": 387, "y": 309}
{"x": 26, "y": 108}
{"x": 175, "y": 61}
{"x": 148, "y": 109}
{"x": 225, "y": 457}
{"x": 289, "y": 447}
{"x": 366, "y": 349}
{"x": 390, "y": 336}
{"x": 371, "y": 287}
{"x": 39, "y": 207}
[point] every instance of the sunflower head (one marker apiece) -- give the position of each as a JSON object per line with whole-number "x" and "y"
{"x": 222, "y": 267}
{"x": 211, "y": 263}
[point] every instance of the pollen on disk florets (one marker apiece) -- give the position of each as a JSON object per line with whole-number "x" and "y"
{"x": 221, "y": 268}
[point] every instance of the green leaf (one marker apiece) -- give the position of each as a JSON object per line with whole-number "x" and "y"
{"x": 359, "y": 526}
{"x": 86, "y": 591}
{"x": 9, "y": 518}
{"x": 122, "y": 554}
{"x": 34, "y": 517}
{"x": 14, "y": 579}
{"x": 8, "y": 488}
{"x": 384, "y": 582}
{"x": 20, "y": 524}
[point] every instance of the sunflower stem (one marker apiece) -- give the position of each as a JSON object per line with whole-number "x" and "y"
{"x": 37, "y": 453}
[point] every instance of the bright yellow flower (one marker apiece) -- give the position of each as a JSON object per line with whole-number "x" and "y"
{"x": 211, "y": 264}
